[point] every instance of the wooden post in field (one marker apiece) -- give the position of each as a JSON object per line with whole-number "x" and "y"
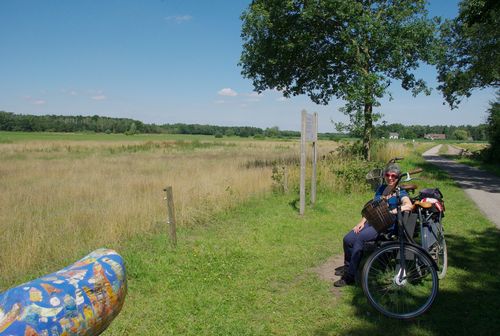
{"x": 303, "y": 164}
{"x": 285, "y": 179}
{"x": 315, "y": 157}
{"x": 309, "y": 132}
{"x": 171, "y": 216}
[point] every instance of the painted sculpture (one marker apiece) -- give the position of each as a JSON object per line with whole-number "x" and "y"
{"x": 81, "y": 299}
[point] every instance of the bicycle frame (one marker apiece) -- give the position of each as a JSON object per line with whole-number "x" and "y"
{"x": 403, "y": 236}
{"x": 433, "y": 230}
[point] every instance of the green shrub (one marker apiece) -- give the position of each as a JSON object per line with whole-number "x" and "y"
{"x": 492, "y": 154}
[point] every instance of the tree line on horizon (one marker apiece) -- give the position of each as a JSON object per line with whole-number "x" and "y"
{"x": 58, "y": 123}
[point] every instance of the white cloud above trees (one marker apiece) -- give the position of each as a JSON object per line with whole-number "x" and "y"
{"x": 228, "y": 92}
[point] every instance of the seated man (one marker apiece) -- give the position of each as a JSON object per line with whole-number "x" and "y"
{"x": 363, "y": 231}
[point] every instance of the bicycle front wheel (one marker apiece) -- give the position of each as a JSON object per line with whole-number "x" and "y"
{"x": 397, "y": 292}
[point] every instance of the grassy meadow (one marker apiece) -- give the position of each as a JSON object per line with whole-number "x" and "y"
{"x": 62, "y": 198}
{"x": 255, "y": 271}
{"x": 246, "y": 263}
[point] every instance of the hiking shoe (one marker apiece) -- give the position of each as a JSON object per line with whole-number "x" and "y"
{"x": 340, "y": 272}
{"x": 343, "y": 267}
{"x": 344, "y": 281}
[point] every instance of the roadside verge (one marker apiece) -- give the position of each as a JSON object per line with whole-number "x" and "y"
{"x": 482, "y": 187}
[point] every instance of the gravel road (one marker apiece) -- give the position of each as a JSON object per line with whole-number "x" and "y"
{"x": 482, "y": 187}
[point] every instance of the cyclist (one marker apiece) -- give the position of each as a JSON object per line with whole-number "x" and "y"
{"x": 364, "y": 232}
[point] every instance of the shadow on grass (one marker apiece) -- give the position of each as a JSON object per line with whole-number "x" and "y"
{"x": 466, "y": 176}
{"x": 293, "y": 204}
{"x": 435, "y": 172}
{"x": 468, "y": 301}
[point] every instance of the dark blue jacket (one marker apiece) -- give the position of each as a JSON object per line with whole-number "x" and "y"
{"x": 393, "y": 201}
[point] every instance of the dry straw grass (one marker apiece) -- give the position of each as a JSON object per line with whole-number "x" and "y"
{"x": 60, "y": 200}
{"x": 389, "y": 150}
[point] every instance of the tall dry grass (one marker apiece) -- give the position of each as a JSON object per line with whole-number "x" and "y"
{"x": 60, "y": 200}
{"x": 346, "y": 172}
{"x": 385, "y": 151}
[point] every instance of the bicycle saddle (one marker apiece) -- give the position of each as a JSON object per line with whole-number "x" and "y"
{"x": 425, "y": 205}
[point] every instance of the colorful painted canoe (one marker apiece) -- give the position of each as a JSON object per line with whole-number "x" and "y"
{"x": 81, "y": 299}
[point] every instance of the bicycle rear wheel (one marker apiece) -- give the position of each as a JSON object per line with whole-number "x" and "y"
{"x": 436, "y": 246}
{"x": 439, "y": 253}
{"x": 396, "y": 292}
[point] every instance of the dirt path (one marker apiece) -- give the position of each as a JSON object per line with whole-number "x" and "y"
{"x": 326, "y": 271}
{"x": 452, "y": 150}
{"x": 482, "y": 187}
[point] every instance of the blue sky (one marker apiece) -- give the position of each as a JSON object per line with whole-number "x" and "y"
{"x": 166, "y": 62}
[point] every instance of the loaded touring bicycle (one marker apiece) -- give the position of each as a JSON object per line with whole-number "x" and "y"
{"x": 401, "y": 276}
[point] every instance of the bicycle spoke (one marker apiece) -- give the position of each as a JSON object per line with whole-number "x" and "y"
{"x": 402, "y": 297}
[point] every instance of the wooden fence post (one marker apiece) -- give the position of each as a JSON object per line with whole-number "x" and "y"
{"x": 303, "y": 158}
{"x": 314, "y": 159}
{"x": 285, "y": 179}
{"x": 171, "y": 216}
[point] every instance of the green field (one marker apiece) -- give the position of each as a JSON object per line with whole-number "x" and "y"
{"x": 246, "y": 263}
{"x": 252, "y": 272}
{"x": 15, "y": 137}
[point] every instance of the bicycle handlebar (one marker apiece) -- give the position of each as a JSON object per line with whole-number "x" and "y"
{"x": 416, "y": 171}
{"x": 397, "y": 158}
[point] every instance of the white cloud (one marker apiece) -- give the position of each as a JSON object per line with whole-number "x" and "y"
{"x": 179, "y": 18}
{"x": 69, "y": 92}
{"x": 253, "y": 97}
{"x": 34, "y": 101}
{"x": 219, "y": 102}
{"x": 99, "y": 97}
{"x": 227, "y": 92}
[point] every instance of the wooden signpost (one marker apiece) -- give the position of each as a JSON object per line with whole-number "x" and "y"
{"x": 171, "y": 216}
{"x": 309, "y": 133}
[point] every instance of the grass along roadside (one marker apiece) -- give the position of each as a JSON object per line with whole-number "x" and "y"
{"x": 489, "y": 167}
{"x": 471, "y": 160}
{"x": 251, "y": 272}
{"x": 474, "y": 162}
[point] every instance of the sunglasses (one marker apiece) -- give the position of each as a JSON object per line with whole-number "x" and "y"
{"x": 394, "y": 176}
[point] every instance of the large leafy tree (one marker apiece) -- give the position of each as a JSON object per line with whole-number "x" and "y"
{"x": 471, "y": 53}
{"x": 493, "y": 153}
{"x": 345, "y": 49}
{"x": 471, "y": 60}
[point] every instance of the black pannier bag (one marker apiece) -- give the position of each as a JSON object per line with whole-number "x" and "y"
{"x": 431, "y": 194}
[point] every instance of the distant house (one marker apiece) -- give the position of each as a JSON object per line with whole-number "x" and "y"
{"x": 393, "y": 135}
{"x": 435, "y": 136}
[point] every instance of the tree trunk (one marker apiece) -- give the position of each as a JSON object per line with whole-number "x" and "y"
{"x": 367, "y": 131}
